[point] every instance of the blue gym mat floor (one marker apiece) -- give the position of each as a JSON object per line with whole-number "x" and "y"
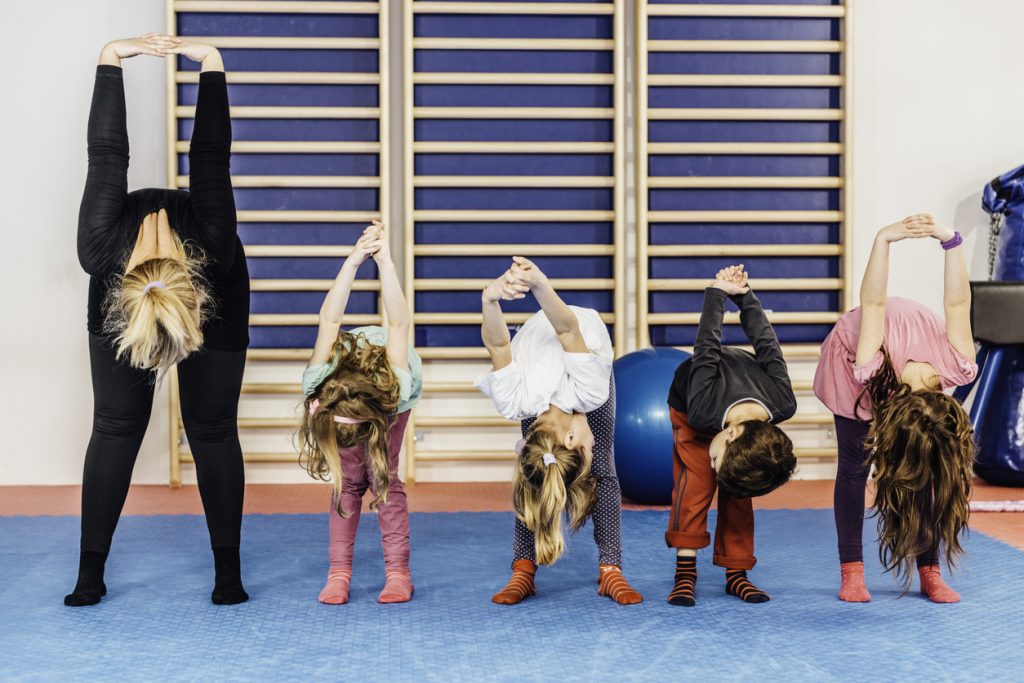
{"x": 157, "y": 624}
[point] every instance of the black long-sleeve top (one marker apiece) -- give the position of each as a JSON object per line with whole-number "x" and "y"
{"x": 110, "y": 216}
{"x": 715, "y": 378}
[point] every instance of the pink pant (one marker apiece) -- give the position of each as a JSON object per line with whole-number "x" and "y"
{"x": 392, "y": 517}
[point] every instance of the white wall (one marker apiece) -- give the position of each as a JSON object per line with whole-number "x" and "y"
{"x": 936, "y": 115}
{"x": 49, "y": 52}
{"x": 934, "y": 98}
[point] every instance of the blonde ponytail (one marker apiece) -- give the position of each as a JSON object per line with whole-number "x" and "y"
{"x": 551, "y": 480}
{"x": 155, "y": 314}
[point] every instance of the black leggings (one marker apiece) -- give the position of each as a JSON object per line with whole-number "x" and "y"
{"x": 848, "y": 498}
{"x": 210, "y": 382}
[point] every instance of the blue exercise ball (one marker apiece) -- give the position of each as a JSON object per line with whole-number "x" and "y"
{"x": 643, "y": 430}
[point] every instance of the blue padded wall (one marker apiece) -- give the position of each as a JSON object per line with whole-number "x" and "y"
{"x": 743, "y": 161}
{"x": 511, "y": 94}
{"x": 306, "y": 179}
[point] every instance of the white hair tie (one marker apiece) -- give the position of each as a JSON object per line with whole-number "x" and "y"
{"x": 549, "y": 459}
{"x": 154, "y": 283}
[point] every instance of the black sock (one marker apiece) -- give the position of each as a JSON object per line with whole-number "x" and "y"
{"x": 90, "y": 587}
{"x": 737, "y": 583}
{"x": 684, "y": 592}
{"x": 227, "y": 589}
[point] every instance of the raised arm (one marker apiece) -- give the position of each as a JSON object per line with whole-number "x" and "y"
{"x": 494, "y": 330}
{"x": 707, "y": 347}
{"x": 332, "y": 310}
{"x": 395, "y": 306}
{"x": 875, "y": 285}
{"x": 209, "y": 155}
{"x": 758, "y": 329}
{"x": 106, "y": 183}
{"x": 956, "y": 297}
{"x": 558, "y": 313}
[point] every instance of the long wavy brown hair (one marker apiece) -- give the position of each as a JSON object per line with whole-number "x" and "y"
{"x": 922, "y": 448}
{"x": 363, "y": 387}
{"x": 543, "y": 493}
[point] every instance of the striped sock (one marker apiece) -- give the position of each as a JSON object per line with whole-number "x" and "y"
{"x": 335, "y": 592}
{"x": 684, "y": 592}
{"x": 520, "y": 586}
{"x": 397, "y": 587}
{"x": 613, "y": 584}
{"x": 737, "y": 583}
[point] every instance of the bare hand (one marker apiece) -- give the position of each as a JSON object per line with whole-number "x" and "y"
{"x": 505, "y": 288}
{"x": 197, "y": 52}
{"x": 383, "y": 254}
{"x": 942, "y": 233}
{"x": 154, "y": 44}
{"x": 732, "y": 280}
{"x": 369, "y": 243}
{"x": 526, "y": 272}
{"x": 914, "y": 227}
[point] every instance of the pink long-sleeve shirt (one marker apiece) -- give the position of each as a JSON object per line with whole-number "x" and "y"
{"x": 913, "y": 332}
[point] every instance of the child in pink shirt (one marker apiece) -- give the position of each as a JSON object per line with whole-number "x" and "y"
{"x": 883, "y": 371}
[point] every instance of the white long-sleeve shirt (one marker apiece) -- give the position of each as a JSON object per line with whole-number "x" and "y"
{"x": 542, "y": 374}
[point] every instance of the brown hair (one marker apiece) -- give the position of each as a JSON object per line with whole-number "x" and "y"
{"x": 158, "y": 327}
{"x": 922, "y": 448}
{"x": 758, "y": 461}
{"x": 363, "y": 387}
{"x": 542, "y": 493}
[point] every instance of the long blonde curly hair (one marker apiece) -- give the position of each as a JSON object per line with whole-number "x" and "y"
{"x": 363, "y": 387}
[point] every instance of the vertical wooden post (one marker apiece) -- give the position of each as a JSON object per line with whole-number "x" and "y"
{"x": 619, "y": 204}
{"x": 174, "y": 438}
{"x": 408, "y": 206}
{"x": 643, "y": 337}
{"x": 383, "y": 131}
{"x": 171, "y": 119}
{"x": 846, "y": 135}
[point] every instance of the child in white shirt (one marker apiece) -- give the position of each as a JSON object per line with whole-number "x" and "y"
{"x": 556, "y": 378}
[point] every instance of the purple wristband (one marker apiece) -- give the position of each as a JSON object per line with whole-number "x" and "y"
{"x": 955, "y": 241}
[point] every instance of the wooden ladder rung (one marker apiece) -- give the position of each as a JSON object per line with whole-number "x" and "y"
{"x": 466, "y": 456}
{"x": 290, "y": 458}
{"x": 820, "y": 453}
{"x": 809, "y": 419}
{"x": 464, "y": 422}
{"x": 272, "y": 388}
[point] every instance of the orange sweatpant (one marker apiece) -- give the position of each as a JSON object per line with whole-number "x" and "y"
{"x": 695, "y": 486}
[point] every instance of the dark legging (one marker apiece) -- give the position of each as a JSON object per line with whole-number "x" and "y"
{"x": 607, "y": 513}
{"x": 210, "y": 382}
{"x": 848, "y": 499}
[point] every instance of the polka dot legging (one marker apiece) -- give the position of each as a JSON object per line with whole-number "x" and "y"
{"x": 607, "y": 512}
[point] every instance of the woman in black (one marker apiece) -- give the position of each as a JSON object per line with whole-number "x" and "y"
{"x": 169, "y": 286}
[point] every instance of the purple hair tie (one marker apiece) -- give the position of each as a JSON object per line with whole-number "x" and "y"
{"x": 158, "y": 283}
{"x": 953, "y": 242}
